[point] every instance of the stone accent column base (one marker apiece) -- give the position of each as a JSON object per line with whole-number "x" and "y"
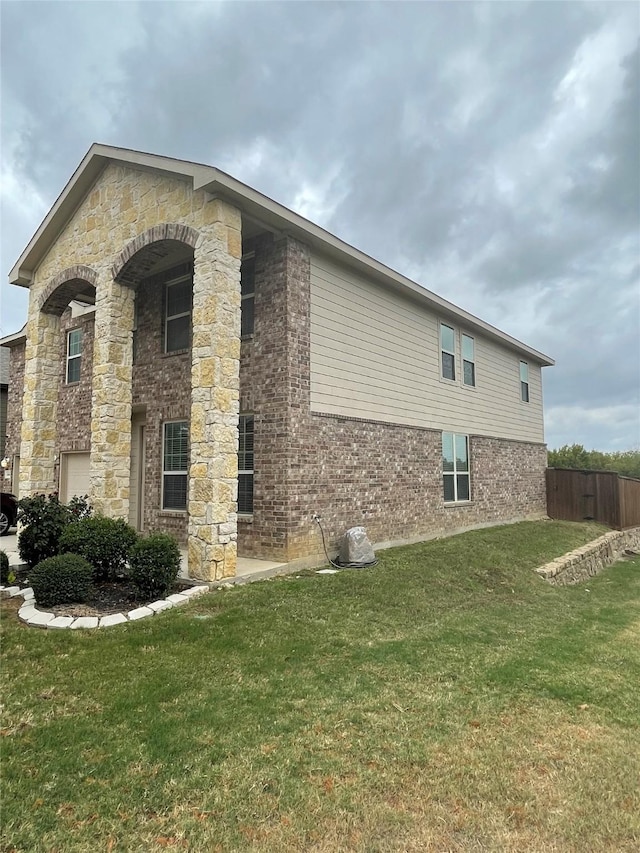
{"x": 212, "y": 563}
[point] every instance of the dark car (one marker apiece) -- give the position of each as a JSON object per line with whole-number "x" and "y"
{"x": 8, "y": 512}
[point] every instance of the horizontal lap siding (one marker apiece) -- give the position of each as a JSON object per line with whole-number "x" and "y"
{"x": 375, "y": 354}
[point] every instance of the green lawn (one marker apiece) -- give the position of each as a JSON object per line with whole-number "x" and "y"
{"x": 446, "y": 700}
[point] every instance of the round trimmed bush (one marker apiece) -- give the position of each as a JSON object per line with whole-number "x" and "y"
{"x": 61, "y": 580}
{"x": 103, "y": 542}
{"x": 154, "y": 563}
{"x": 4, "y": 568}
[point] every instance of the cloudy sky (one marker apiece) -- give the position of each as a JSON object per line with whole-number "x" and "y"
{"x": 487, "y": 150}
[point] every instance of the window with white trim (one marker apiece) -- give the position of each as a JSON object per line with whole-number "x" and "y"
{"x": 177, "y": 324}
{"x": 247, "y": 293}
{"x": 468, "y": 361}
{"x": 524, "y": 381}
{"x": 448, "y": 351}
{"x": 175, "y": 464}
{"x": 455, "y": 467}
{"x": 74, "y": 355}
{"x": 245, "y": 465}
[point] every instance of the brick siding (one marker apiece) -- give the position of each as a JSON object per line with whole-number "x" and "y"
{"x": 14, "y": 407}
{"x": 350, "y": 471}
{"x": 74, "y": 401}
{"x": 161, "y": 388}
{"x": 385, "y": 476}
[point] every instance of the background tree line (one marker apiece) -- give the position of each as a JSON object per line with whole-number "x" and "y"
{"x": 625, "y": 462}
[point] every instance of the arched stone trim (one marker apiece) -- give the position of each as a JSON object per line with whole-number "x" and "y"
{"x": 166, "y": 231}
{"x": 70, "y": 283}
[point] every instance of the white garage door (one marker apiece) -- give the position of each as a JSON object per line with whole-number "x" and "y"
{"x": 74, "y": 475}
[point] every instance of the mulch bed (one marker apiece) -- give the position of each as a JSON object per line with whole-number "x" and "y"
{"x": 104, "y": 598}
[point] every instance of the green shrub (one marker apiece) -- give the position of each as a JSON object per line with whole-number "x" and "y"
{"x": 154, "y": 564}
{"x": 103, "y": 542}
{"x": 4, "y": 568}
{"x": 61, "y": 580}
{"x": 43, "y": 519}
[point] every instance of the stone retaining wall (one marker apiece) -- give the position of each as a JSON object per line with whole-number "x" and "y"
{"x": 591, "y": 559}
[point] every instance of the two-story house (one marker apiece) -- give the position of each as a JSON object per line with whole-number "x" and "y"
{"x": 201, "y": 360}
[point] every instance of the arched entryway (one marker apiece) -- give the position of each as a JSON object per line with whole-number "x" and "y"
{"x": 58, "y": 358}
{"x": 159, "y": 266}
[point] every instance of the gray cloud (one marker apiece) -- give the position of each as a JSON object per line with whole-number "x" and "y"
{"x": 488, "y": 150}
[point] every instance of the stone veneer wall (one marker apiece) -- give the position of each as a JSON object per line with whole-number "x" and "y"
{"x": 215, "y": 358}
{"x": 590, "y": 559}
{"x": 126, "y": 211}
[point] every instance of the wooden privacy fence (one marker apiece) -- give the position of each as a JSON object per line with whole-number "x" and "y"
{"x": 601, "y": 496}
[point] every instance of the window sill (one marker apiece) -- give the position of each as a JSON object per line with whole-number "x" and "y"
{"x": 173, "y": 513}
{"x": 175, "y": 352}
{"x": 245, "y": 519}
{"x": 454, "y": 504}
{"x": 72, "y": 384}
{"x": 247, "y": 337}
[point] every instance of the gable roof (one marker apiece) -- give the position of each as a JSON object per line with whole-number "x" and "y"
{"x": 254, "y": 205}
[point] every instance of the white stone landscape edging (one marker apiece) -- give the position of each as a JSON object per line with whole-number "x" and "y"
{"x": 587, "y": 561}
{"x": 30, "y": 615}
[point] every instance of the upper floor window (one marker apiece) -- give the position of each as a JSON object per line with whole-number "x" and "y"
{"x": 245, "y": 464}
{"x": 455, "y": 467}
{"x": 448, "y": 351}
{"x": 175, "y": 462}
{"x": 468, "y": 361}
{"x": 74, "y": 355}
{"x": 248, "y": 293}
{"x": 179, "y": 295}
{"x": 524, "y": 381}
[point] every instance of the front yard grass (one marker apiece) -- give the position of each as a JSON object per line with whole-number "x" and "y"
{"x": 447, "y": 699}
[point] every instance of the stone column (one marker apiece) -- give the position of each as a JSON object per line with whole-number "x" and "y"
{"x": 111, "y": 399}
{"x": 213, "y": 475}
{"x": 44, "y": 352}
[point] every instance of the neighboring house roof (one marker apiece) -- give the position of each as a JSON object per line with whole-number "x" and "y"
{"x": 254, "y": 205}
{"x": 13, "y": 340}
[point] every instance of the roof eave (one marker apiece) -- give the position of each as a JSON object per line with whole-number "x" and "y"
{"x": 252, "y": 203}
{"x": 282, "y": 219}
{"x": 14, "y": 339}
{"x": 92, "y": 164}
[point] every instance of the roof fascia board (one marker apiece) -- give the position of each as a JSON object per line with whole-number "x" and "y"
{"x": 14, "y": 339}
